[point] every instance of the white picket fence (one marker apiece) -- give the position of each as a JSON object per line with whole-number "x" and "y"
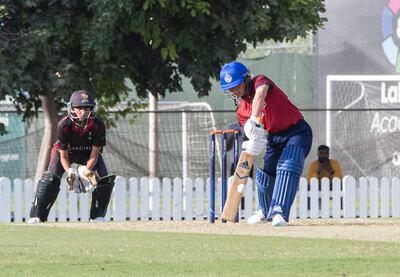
{"x": 154, "y": 199}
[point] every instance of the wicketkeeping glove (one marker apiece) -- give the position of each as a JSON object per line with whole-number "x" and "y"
{"x": 72, "y": 175}
{"x": 88, "y": 177}
{"x": 74, "y": 182}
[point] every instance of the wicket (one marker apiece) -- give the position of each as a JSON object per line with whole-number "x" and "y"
{"x": 224, "y": 179}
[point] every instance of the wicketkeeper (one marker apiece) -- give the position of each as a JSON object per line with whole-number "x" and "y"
{"x": 288, "y": 142}
{"x": 81, "y": 136}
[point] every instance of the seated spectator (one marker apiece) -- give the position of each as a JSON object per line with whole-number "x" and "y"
{"x": 324, "y": 167}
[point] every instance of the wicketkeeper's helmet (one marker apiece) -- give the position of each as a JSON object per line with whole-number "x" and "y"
{"x": 81, "y": 98}
{"x": 232, "y": 74}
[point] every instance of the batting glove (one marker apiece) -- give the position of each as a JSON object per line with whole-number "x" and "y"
{"x": 252, "y": 129}
{"x": 255, "y": 146}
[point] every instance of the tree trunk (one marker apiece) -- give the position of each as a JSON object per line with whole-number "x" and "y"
{"x": 153, "y": 136}
{"x": 50, "y": 118}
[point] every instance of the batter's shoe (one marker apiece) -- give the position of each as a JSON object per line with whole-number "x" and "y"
{"x": 278, "y": 221}
{"x": 256, "y": 218}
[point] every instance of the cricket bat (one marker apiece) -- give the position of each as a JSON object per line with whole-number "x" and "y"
{"x": 234, "y": 197}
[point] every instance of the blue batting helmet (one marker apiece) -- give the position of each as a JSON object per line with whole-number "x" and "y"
{"x": 232, "y": 74}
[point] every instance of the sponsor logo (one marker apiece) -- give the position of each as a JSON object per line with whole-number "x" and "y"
{"x": 385, "y": 124}
{"x": 390, "y": 94}
{"x": 391, "y": 32}
{"x": 228, "y": 78}
{"x": 80, "y": 148}
{"x": 9, "y": 157}
{"x": 277, "y": 208}
{"x": 244, "y": 165}
{"x": 84, "y": 98}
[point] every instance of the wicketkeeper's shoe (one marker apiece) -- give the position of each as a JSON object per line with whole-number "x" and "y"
{"x": 256, "y": 218}
{"x": 278, "y": 221}
{"x": 98, "y": 219}
{"x": 34, "y": 220}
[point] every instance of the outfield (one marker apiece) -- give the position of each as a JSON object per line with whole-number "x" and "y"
{"x": 307, "y": 247}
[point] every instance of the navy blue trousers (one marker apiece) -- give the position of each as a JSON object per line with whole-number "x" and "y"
{"x": 299, "y": 135}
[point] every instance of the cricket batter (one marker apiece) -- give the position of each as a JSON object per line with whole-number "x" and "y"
{"x": 81, "y": 137}
{"x": 286, "y": 139}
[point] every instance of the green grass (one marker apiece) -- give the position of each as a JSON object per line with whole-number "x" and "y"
{"x": 56, "y": 251}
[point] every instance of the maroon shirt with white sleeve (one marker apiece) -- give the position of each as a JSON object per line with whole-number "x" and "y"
{"x": 79, "y": 141}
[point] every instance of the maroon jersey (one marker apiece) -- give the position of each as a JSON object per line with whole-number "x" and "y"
{"x": 79, "y": 141}
{"x": 279, "y": 113}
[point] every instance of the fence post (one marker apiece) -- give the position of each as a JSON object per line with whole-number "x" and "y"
{"x": 337, "y": 197}
{"x": 248, "y": 198}
{"x": 373, "y": 192}
{"x": 363, "y": 189}
{"x": 303, "y": 193}
{"x": 73, "y": 207}
{"x": 166, "y": 192}
{"x": 17, "y": 200}
{"x": 325, "y": 197}
{"x": 188, "y": 196}
{"x": 177, "y": 211}
{"x": 144, "y": 199}
{"x": 119, "y": 199}
{"x": 5, "y": 195}
{"x": 349, "y": 196}
{"x": 384, "y": 197}
{"x": 395, "y": 197}
{"x": 84, "y": 207}
{"x": 155, "y": 184}
{"x": 28, "y": 197}
{"x": 199, "y": 188}
{"x": 62, "y": 202}
{"x": 133, "y": 199}
{"x": 314, "y": 197}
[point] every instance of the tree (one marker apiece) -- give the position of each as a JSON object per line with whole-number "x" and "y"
{"x": 49, "y": 48}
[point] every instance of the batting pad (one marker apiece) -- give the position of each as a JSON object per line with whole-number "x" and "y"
{"x": 46, "y": 194}
{"x": 288, "y": 172}
{"x": 265, "y": 187}
{"x": 101, "y": 196}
